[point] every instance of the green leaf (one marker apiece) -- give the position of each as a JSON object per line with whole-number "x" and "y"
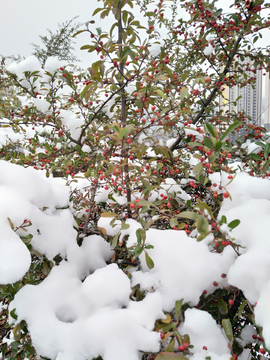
{"x": 194, "y": 144}
{"x": 125, "y": 226}
{"x": 230, "y": 129}
{"x": 266, "y": 165}
{"x": 223, "y": 220}
{"x": 171, "y": 345}
{"x": 202, "y": 225}
{"x": 145, "y": 203}
{"x": 13, "y": 314}
{"x": 161, "y": 93}
{"x": 218, "y": 145}
{"x": 10, "y": 223}
{"x": 183, "y": 92}
{"x": 211, "y": 129}
{"x": 222, "y": 306}
{"x": 255, "y": 157}
{"x": 108, "y": 214}
{"x": 139, "y": 238}
{"x": 188, "y": 215}
{"x": 86, "y": 88}
{"x": 227, "y": 327}
{"x": 142, "y": 234}
{"x": 138, "y": 250}
{"x": 178, "y": 307}
{"x": 184, "y": 76}
{"x": 122, "y": 132}
{"x": 149, "y": 261}
{"x": 97, "y": 10}
{"x": 206, "y": 207}
{"x": 208, "y": 143}
{"x": 241, "y": 308}
{"x": 85, "y": 47}
{"x": 197, "y": 168}
{"x": 170, "y": 356}
{"x": 173, "y": 222}
{"x": 115, "y": 240}
{"x": 217, "y": 13}
{"x": 125, "y": 53}
{"x": 161, "y": 77}
{"x": 233, "y": 224}
{"x": 203, "y": 236}
{"x": 266, "y": 151}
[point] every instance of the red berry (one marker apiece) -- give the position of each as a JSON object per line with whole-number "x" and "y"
{"x": 231, "y": 302}
{"x": 181, "y": 348}
{"x": 204, "y": 348}
{"x": 161, "y": 334}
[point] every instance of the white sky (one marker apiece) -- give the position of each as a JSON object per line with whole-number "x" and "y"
{"x": 21, "y": 22}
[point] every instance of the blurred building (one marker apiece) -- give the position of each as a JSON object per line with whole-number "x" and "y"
{"x": 247, "y": 98}
{"x": 267, "y": 103}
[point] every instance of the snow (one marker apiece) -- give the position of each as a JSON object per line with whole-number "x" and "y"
{"x": 52, "y": 64}
{"x": 204, "y": 331}
{"x": 95, "y": 314}
{"x": 87, "y": 297}
{"x": 84, "y": 308}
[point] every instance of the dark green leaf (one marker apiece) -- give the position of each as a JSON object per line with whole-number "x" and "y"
{"x": 266, "y": 151}
{"x": 222, "y": 306}
{"x": 208, "y": 143}
{"x": 233, "y": 224}
{"x": 13, "y": 314}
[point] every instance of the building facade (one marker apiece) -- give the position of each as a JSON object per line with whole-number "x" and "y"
{"x": 267, "y": 103}
{"x": 246, "y": 98}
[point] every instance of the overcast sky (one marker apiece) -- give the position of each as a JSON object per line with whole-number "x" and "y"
{"x": 22, "y": 21}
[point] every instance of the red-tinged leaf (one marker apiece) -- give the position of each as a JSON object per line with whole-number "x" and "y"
{"x": 104, "y": 231}
{"x": 170, "y": 356}
{"x": 109, "y": 214}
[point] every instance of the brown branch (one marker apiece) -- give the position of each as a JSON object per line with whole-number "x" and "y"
{"x": 214, "y": 91}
